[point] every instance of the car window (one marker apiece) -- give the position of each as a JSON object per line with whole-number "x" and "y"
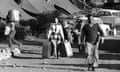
{"x": 116, "y": 13}
{"x": 107, "y": 13}
{"x": 100, "y": 13}
{"x": 103, "y": 13}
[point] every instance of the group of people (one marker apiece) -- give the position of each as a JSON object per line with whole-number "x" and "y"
{"x": 89, "y": 34}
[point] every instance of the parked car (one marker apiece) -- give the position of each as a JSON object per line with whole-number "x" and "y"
{"x": 104, "y": 27}
{"x": 110, "y": 17}
{"x": 108, "y": 12}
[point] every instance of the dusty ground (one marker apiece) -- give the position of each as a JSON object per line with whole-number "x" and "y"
{"x": 31, "y": 61}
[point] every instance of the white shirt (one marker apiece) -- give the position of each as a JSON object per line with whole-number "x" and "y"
{"x": 14, "y": 15}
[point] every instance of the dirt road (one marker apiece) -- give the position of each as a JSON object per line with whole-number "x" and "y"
{"x": 31, "y": 61}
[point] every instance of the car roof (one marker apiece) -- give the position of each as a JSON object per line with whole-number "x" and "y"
{"x": 110, "y": 10}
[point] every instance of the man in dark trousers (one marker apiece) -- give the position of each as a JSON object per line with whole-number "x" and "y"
{"x": 90, "y": 37}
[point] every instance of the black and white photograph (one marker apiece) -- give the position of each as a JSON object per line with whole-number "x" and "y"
{"x": 59, "y": 35}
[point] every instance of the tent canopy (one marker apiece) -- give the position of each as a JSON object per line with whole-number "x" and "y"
{"x": 78, "y": 3}
{"x": 67, "y": 5}
{"x": 6, "y": 5}
{"x": 43, "y": 6}
{"x": 25, "y": 4}
{"x": 37, "y": 6}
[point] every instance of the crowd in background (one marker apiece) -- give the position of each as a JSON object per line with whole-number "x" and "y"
{"x": 85, "y": 32}
{"x": 63, "y": 33}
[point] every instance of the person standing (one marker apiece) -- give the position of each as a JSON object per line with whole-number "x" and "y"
{"x": 10, "y": 31}
{"x": 91, "y": 34}
{"x": 56, "y": 36}
{"x": 68, "y": 30}
{"x": 78, "y": 30}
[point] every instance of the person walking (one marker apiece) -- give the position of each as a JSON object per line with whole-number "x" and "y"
{"x": 81, "y": 21}
{"x": 91, "y": 34}
{"x": 10, "y": 31}
{"x": 56, "y": 36}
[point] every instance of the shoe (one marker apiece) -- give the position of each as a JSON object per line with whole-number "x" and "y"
{"x": 93, "y": 68}
{"x": 16, "y": 52}
{"x": 52, "y": 57}
{"x": 89, "y": 67}
{"x": 95, "y": 64}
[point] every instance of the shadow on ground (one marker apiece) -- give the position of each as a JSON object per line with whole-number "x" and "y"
{"x": 111, "y": 45}
{"x": 26, "y": 57}
{"x": 25, "y": 42}
{"x": 110, "y": 66}
{"x": 111, "y": 48}
{"x": 79, "y": 55}
{"x": 105, "y": 66}
{"x": 31, "y": 52}
{"x": 110, "y": 56}
{"x": 36, "y": 41}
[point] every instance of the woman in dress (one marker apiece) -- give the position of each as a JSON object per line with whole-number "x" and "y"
{"x": 55, "y": 35}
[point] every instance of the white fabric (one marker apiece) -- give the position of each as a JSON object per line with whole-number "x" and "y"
{"x": 16, "y": 52}
{"x": 15, "y": 15}
{"x": 5, "y": 54}
{"x": 68, "y": 48}
{"x": 93, "y": 55}
{"x": 7, "y": 30}
{"x": 105, "y": 29}
{"x": 13, "y": 26}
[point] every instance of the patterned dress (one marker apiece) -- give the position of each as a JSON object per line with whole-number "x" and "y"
{"x": 56, "y": 33}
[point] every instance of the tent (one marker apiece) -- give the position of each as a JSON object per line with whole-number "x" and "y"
{"x": 37, "y": 6}
{"x": 26, "y": 5}
{"x": 78, "y": 3}
{"x": 66, "y": 5}
{"x": 6, "y": 5}
{"x": 43, "y": 6}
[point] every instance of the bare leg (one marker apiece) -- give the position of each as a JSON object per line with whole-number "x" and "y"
{"x": 18, "y": 43}
{"x": 55, "y": 48}
{"x": 90, "y": 57}
{"x": 10, "y": 44}
{"x": 13, "y": 40}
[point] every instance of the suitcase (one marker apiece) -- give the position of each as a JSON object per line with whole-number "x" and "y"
{"x": 61, "y": 49}
{"x": 46, "y": 51}
{"x": 68, "y": 48}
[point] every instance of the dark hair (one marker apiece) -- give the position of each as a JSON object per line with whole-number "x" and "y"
{"x": 88, "y": 16}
